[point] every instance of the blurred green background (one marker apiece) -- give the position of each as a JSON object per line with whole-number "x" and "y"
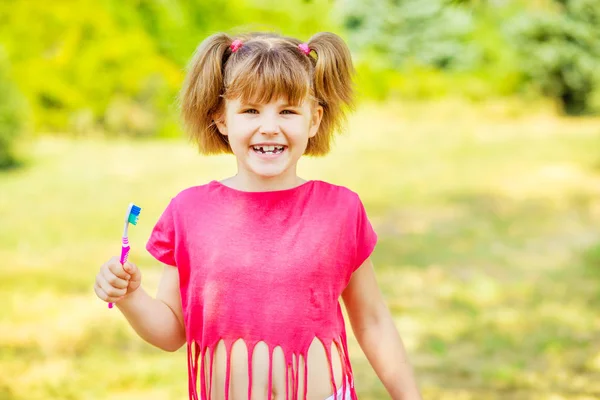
{"x": 475, "y": 147}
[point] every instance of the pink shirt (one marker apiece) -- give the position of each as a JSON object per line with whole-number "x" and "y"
{"x": 263, "y": 266}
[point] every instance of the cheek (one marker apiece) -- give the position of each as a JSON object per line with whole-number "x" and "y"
{"x": 298, "y": 130}
{"x": 240, "y": 130}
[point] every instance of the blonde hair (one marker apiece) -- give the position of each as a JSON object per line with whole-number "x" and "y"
{"x": 267, "y": 66}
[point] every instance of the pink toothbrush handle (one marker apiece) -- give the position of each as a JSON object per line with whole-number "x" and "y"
{"x": 124, "y": 254}
{"x": 124, "y": 251}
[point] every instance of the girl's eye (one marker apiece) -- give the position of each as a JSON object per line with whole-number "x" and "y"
{"x": 251, "y": 111}
{"x": 288, "y": 112}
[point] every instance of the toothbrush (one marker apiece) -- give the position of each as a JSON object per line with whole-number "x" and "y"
{"x": 132, "y": 216}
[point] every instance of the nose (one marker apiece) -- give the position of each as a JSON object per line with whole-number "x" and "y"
{"x": 269, "y": 125}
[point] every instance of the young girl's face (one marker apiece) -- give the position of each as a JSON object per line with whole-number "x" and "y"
{"x": 268, "y": 139}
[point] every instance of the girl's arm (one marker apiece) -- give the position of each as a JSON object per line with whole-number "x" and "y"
{"x": 158, "y": 321}
{"x": 377, "y": 335}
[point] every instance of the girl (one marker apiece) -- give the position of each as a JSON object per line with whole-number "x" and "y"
{"x": 255, "y": 264}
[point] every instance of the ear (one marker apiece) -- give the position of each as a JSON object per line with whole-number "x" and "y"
{"x": 219, "y": 120}
{"x": 315, "y": 120}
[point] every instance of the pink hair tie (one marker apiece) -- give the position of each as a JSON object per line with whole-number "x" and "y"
{"x": 304, "y": 48}
{"x": 235, "y": 45}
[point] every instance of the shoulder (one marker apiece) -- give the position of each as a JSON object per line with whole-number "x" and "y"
{"x": 193, "y": 195}
{"x": 336, "y": 194}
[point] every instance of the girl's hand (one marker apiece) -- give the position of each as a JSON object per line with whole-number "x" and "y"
{"x": 115, "y": 281}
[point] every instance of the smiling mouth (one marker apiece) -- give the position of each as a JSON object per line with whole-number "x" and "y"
{"x": 268, "y": 149}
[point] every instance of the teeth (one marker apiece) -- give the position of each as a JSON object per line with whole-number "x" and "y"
{"x": 268, "y": 148}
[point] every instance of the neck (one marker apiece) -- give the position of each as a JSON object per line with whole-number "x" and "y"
{"x": 249, "y": 182}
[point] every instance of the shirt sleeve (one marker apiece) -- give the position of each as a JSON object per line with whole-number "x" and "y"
{"x": 366, "y": 238}
{"x": 161, "y": 244}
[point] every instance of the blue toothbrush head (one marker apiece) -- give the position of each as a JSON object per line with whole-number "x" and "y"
{"x": 133, "y": 214}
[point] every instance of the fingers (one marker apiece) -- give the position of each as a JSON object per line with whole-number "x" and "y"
{"x": 116, "y": 268}
{"x": 109, "y": 288}
{"x": 133, "y": 271}
{"x": 104, "y": 296}
{"x": 115, "y": 281}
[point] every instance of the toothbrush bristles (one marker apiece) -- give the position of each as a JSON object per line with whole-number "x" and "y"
{"x": 134, "y": 214}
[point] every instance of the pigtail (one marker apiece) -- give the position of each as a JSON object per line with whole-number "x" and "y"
{"x": 333, "y": 86}
{"x": 200, "y": 95}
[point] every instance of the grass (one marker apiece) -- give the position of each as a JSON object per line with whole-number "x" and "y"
{"x": 488, "y": 257}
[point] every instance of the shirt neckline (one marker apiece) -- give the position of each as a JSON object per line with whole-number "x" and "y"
{"x": 294, "y": 189}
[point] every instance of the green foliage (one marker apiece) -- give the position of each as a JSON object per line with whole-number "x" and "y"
{"x": 116, "y": 66}
{"x": 561, "y": 52}
{"x": 552, "y": 46}
{"x": 424, "y": 31}
{"x": 78, "y": 61}
{"x": 12, "y": 115}
{"x": 431, "y": 48}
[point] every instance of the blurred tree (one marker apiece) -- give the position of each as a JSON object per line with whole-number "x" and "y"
{"x": 431, "y": 48}
{"x": 116, "y": 66}
{"x": 560, "y": 51}
{"x": 427, "y": 32}
{"x": 12, "y": 115}
{"x": 78, "y": 59}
